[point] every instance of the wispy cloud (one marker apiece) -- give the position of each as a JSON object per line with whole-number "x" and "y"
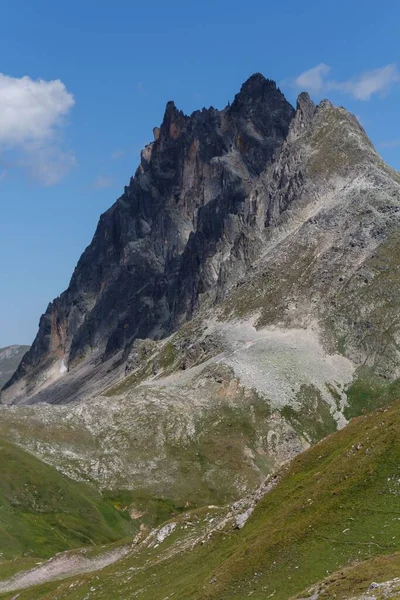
{"x": 47, "y": 163}
{"x": 390, "y": 144}
{"x": 313, "y": 80}
{"x": 117, "y": 154}
{"x": 102, "y": 182}
{"x": 32, "y": 113}
{"x": 361, "y": 87}
{"x": 370, "y": 82}
{"x": 139, "y": 86}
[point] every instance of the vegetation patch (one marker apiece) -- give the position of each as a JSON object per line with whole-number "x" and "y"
{"x": 313, "y": 420}
{"x": 130, "y": 381}
{"x": 145, "y": 509}
{"x": 43, "y": 512}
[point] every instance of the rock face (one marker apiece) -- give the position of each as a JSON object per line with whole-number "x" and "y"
{"x": 164, "y": 243}
{"x": 258, "y": 209}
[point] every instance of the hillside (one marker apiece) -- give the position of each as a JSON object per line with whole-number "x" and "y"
{"x": 10, "y": 357}
{"x": 334, "y": 513}
{"x": 43, "y": 512}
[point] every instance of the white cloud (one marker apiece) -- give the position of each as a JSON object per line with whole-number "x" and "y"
{"x": 31, "y": 115}
{"x": 361, "y": 87}
{"x": 370, "y": 82}
{"x": 102, "y": 182}
{"x": 117, "y": 154}
{"x": 313, "y": 80}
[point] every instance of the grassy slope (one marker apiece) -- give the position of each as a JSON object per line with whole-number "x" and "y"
{"x": 355, "y": 579}
{"x": 43, "y": 512}
{"x": 337, "y": 504}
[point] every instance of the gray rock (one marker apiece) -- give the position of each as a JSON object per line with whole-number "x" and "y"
{"x": 159, "y": 248}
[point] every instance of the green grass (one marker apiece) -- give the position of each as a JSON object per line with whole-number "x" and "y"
{"x": 130, "y": 381}
{"x": 148, "y": 510}
{"x": 43, "y": 512}
{"x": 215, "y": 458}
{"x": 337, "y": 504}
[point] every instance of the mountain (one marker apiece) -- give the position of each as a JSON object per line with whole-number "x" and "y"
{"x": 237, "y": 304}
{"x": 10, "y": 357}
{"x": 206, "y": 369}
{"x": 258, "y": 210}
{"x": 165, "y": 243}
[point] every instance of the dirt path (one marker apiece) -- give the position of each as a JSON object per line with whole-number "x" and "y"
{"x": 60, "y": 567}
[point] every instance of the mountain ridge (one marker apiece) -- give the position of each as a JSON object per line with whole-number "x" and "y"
{"x": 269, "y": 284}
{"x": 10, "y": 357}
{"x": 285, "y": 298}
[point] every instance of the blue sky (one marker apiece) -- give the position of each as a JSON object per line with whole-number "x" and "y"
{"x": 70, "y": 142}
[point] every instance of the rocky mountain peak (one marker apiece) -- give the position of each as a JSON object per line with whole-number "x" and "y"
{"x": 212, "y": 189}
{"x": 164, "y": 244}
{"x": 257, "y": 92}
{"x": 173, "y": 121}
{"x": 304, "y": 115}
{"x": 306, "y": 107}
{"x": 255, "y": 88}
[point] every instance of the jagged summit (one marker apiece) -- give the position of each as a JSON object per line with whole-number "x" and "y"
{"x": 305, "y": 104}
{"x": 256, "y": 86}
{"x": 172, "y": 112}
{"x": 258, "y": 96}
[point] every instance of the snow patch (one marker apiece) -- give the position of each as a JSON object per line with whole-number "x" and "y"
{"x": 63, "y": 367}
